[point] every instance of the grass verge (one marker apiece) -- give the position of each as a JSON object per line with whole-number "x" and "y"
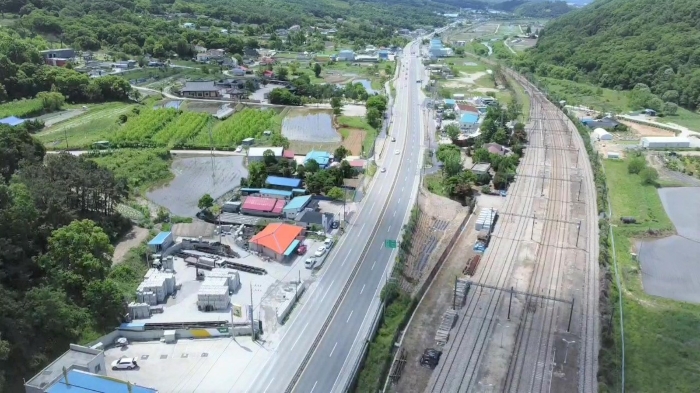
{"x": 361, "y": 123}
{"x": 434, "y": 183}
{"x": 398, "y": 306}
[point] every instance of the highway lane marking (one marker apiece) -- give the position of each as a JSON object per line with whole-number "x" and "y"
{"x": 363, "y": 289}
{"x": 297, "y": 340}
{"x": 373, "y": 263}
{"x": 329, "y": 288}
{"x": 348, "y": 320}
{"x": 390, "y": 225}
{"x": 268, "y": 385}
{"x": 335, "y": 345}
{"x": 314, "y": 387}
{"x": 394, "y": 213}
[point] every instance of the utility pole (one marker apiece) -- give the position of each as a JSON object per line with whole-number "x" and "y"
{"x": 578, "y": 233}
{"x": 580, "y": 187}
{"x": 571, "y": 314}
{"x": 510, "y": 302}
{"x": 252, "y": 321}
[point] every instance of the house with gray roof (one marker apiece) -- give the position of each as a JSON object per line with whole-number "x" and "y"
{"x": 200, "y": 89}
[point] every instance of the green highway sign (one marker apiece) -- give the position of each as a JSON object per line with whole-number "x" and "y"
{"x": 390, "y": 243}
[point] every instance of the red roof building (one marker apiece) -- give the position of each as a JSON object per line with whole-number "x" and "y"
{"x": 466, "y": 108}
{"x": 259, "y": 206}
{"x": 288, "y": 154}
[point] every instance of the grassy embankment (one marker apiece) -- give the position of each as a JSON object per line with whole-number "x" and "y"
{"x": 661, "y": 345}
{"x": 608, "y": 100}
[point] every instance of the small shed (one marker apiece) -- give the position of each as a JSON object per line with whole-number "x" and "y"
{"x": 161, "y": 242}
{"x": 296, "y": 205}
{"x": 613, "y": 155}
{"x": 481, "y": 168}
{"x": 601, "y": 135}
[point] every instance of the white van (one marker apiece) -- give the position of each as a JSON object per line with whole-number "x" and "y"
{"x": 309, "y": 263}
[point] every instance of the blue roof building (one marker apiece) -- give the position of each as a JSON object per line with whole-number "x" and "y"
{"x": 12, "y": 121}
{"x": 161, "y": 242}
{"x": 82, "y": 382}
{"x": 269, "y": 192}
{"x": 469, "y": 118}
{"x": 296, "y": 205}
{"x": 321, "y": 157}
{"x": 450, "y": 103}
{"x": 283, "y": 182}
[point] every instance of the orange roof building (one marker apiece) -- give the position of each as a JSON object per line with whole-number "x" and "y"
{"x": 277, "y": 241}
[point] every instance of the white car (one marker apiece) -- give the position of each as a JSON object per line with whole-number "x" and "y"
{"x": 321, "y": 250}
{"x": 383, "y": 170}
{"x": 239, "y": 149}
{"x": 124, "y": 364}
{"x": 310, "y": 263}
{"x": 397, "y": 152}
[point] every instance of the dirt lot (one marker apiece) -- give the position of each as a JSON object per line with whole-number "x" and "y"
{"x": 421, "y": 332}
{"x": 354, "y": 140}
{"x": 644, "y": 130}
{"x": 131, "y": 240}
{"x": 194, "y": 177}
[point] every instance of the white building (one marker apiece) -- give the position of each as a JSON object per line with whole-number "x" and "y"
{"x": 346, "y": 55}
{"x": 189, "y": 25}
{"x": 600, "y": 134}
{"x": 651, "y": 142}
{"x": 257, "y": 153}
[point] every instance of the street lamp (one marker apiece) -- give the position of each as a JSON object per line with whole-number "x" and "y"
{"x": 503, "y": 328}
{"x": 566, "y": 352}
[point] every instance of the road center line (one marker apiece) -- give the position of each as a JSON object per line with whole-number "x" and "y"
{"x": 298, "y": 337}
{"x": 373, "y": 263}
{"x": 312, "y": 389}
{"x": 362, "y": 290}
{"x": 336, "y": 343}
{"x": 329, "y": 288}
{"x": 268, "y": 385}
{"x": 348, "y": 320}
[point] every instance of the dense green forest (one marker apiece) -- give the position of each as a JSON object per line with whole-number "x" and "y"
{"x": 58, "y": 219}
{"x": 543, "y": 9}
{"x": 650, "y": 46}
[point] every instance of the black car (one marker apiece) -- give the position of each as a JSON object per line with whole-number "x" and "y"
{"x": 430, "y": 358}
{"x": 335, "y": 224}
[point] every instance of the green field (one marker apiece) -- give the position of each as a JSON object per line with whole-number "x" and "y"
{"x": 661, "y": 336}
{"x": 141, "y": 168}
{"x": 360, "y": 123}
{"x": 21, "y": 108}
{"x": 98, "y": 123}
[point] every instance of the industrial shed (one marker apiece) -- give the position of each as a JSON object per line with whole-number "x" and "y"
{"x": 664, "y": 142}
{"x": 296, "y": 205}
{"x": 263, "y": 207}
{"x": 600, "y": 134}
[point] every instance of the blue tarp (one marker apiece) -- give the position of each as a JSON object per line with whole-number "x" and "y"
{"x": 82, "y": 382}
{"x": 12, "y": 121}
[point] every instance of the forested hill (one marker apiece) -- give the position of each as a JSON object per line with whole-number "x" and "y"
{"x": 620, "y": 43}
{"x": 543, "y": 9}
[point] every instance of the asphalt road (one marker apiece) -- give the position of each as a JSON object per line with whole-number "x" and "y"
{"x": 331, "y": 355}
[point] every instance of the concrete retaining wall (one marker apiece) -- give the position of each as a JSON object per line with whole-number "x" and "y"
{"x": 285, "y": 308}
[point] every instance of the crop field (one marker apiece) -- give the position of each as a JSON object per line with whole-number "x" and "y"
{"x": 139, "y": 130}
{"x": 99, "y": 123}
{"x": 248, "y": 123}
{"x": 310, "y": 126}
{"x": 184, "y": 128}
{"x": 660, "y": 334}
{"x": 141, "y": 168}
{"x": 356, "y": 125}
{"x": 21, "y": 108}
{"x": 195, "y": 177}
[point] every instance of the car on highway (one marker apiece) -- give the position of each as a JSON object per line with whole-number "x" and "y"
{"x": 309, "y": 263}
{"x": 321, "y": 250}
{"x": 393, "y": 139}
{"x": 239, "y": 149}
{"x": 383, "y": 170}
{"x": 397, "y": 152}
{"x": 124, "y": 364}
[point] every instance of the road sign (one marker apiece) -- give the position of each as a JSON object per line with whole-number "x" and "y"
{"x": 390, "y": 243}
{"x": 237, "y": 310}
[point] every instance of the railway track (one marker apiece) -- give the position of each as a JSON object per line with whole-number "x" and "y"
{"x": 547, "y": 249}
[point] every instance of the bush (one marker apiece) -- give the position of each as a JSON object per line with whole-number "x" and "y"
{"x": 636, "y": 165}
{"x": 649, "y": 176}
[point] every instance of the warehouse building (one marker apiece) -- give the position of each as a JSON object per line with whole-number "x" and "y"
{"x": 600, "y": 134}
{"x": 650, "y": 142}
{"x": 283, "y": 183}
{"x": 296, "y": 205}
{"x": 277, "y": 241}
{"x": 256, "y": 154}
{"x": 263, "y": 207}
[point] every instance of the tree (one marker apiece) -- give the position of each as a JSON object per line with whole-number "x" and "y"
{"x": 269, "y": 157}
{"x": 481, "y": 155}
{"x": 649, "y": 176}
{"x": 106, "y": 302}
{"x": 374, "y": 117}
{"x": 377, "y": 102}
{"x": 337, "y": 105}
{"x": 311, "y": 166}
{"x": 78, "y": 254}
{"x": 670, "y": 108}
{"x": 317, "y": 70}
{"x": 501, "y": 137}
{"x": 452, "y": 131}
{"x": 336, "y": 193}
{"x": 340, "y": 153}
{"x": 205, "y": 202}
{"x": 282, "y": 73}
{"x": 636, "y": 165}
